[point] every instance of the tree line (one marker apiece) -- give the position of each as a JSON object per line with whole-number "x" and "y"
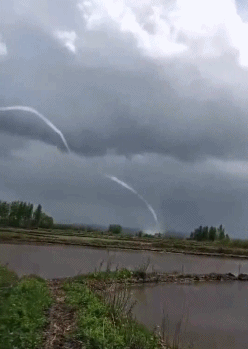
{"x": 209, "y": 234}
{"x": 23, "y": 215}
{"x": 115, "y": 229}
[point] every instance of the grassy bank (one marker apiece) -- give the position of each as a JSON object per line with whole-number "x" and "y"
{"x": 78, "y": 316}
{"x": 104, "y": 304}
{"x": 232, "y": 248}
{"x": 104, "y": 324}
{"x": 92, "y": 311}
{"x": 23, "y": 303}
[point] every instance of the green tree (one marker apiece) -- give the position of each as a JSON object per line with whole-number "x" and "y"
{"x": 4, "y": 212}
{"x": 28, "y": 214}
{"x": 212, "y": 233}
{"x": 14, "y": 213}
{"x": 115, "y": 229}
{"x": 37, "y": 215}
{"x": 46, "y": 221}
{"x": 221, "y": 232}
{"x": 21, "y": 213}
{"x": 205, "y": 233}
{"x": 200, "y": 233}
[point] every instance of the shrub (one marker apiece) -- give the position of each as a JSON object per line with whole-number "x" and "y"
{"x": 115, "y": 229}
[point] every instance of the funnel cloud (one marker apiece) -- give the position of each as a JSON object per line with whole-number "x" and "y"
{"x": 125, "y": 185}
{"x": 42, "y": 117}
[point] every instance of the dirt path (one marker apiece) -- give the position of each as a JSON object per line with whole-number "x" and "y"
{"x": 61, "y": 321}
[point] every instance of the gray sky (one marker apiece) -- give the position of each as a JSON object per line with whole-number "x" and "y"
{"x": 154, "y": 94}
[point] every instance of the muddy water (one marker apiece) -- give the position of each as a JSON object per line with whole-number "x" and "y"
{"x": 56, "y": 261}
{"x": 217, "y": 313}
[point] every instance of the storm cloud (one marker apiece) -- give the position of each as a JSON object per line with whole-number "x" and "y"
{"x": 127, "y": 83}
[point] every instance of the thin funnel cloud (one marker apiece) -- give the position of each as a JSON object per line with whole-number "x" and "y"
{"x": 123, "y": 184}
{"x": 56, "y": 130}
{"x": 42, "y": 117}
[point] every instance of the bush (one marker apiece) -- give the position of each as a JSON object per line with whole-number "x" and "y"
{"x": 115, "y": 229}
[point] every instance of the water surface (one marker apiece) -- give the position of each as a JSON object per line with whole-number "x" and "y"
{"x": 217, "y": 312}
{"x": 57, "y": 261}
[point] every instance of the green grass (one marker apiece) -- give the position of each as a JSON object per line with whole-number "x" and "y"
{"x": 98, "y": 327}
{"x": 7, "y": 277}
{"x": 22, "y": 310}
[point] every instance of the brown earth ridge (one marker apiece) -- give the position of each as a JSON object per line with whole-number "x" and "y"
{"x": 155, "y": 278}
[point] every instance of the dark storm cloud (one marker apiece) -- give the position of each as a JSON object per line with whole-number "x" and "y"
{"x": 131, "y": 112}
{"x": 116, "y": 91}
{"x": 212, "y": 204}
{"x": 182, "y": 196}
{"x": 16, "y": 122}
{"x": 8, "y": 145}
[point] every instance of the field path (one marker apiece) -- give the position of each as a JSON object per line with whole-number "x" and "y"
{"x": 62, "y": 321}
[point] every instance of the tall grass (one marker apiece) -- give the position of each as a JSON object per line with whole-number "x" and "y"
{"x": 141, "y": 270}
{"x": 118, "y": 298}
{"x": 107, "y": 274}
{"x": 120, "y": 303}
{"x": 101, "y": 324}
{"x": 175, "y": 341}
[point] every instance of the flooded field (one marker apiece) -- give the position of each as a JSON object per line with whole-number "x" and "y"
{"x": 217, "y": 313}
{"x": 57, "y": 261}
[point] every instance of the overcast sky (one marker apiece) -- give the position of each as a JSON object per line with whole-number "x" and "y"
{"x": 153, "y": 92}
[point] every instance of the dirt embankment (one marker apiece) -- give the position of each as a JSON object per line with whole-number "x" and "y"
{"x": 156, "y": 278}
{"x": 115, "y": 245}
{"x": 40, "y": 237}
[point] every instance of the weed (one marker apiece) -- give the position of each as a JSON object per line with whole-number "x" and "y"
{"x": 141, "y": 271}
{"x": 165, "y": 327}
{"x": 22, "y": 310}
{"x": 118, "y": 297}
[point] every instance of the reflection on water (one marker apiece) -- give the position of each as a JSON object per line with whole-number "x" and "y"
{"x": 217, "y": 312}
{"x": 56, "y": 261}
